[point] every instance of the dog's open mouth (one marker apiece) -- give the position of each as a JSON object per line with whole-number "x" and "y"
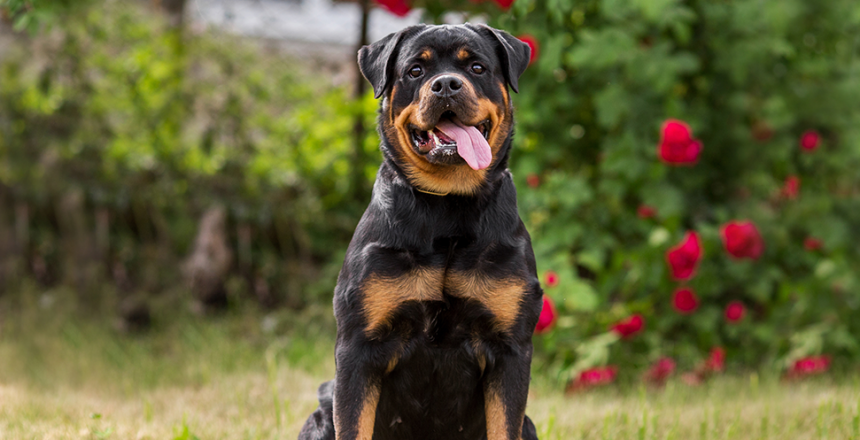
{"x": 450, "y": 140}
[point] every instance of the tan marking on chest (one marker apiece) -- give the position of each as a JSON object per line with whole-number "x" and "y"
{"x": 479, "y": 352}
{"x": 502, "y": 297}
{"x": 383, "y": 295}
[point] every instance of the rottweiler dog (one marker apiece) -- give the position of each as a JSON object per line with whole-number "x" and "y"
{"x": 438, "y": 296}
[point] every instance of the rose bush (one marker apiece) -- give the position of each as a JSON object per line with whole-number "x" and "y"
{"x": 696, "y": 147}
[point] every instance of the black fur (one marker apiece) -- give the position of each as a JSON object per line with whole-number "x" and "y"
{"x": 436, "y": 389}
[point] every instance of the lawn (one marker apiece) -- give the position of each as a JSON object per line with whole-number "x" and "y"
{"x": 67, "y": 373}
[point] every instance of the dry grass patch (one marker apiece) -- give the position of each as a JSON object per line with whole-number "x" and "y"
{"x": 240, "y": 406}
{"x": 252, "y": 376}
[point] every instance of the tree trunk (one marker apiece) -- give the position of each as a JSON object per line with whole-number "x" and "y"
{"x": 207, "y": 267}
{"x": 175, "y": 10}
{"x": 359, "y": 130}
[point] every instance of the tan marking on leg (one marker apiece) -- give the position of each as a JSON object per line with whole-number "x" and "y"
{"x": 368, "y": 413}
{"x": 502, "y": 297}
{"x": 497, "y": 420}
{"x": 383, "y": 295}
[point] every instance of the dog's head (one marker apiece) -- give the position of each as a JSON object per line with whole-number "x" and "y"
{"x": 446, "y": 115}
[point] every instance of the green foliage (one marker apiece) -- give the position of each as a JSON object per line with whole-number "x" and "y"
{"x": 151, "y": 127}
{"x": 749, "y": 77}
{"x": 31, "y": 14}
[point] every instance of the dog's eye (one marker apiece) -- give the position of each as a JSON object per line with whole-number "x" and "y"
{"x": 478, "y": 68}
{"x": 416, "y": 71}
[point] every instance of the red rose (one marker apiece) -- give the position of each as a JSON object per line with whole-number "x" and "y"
{"x": 629, "y": 326}
{"x": 735, "y": 311}
{"x": 742, "y": 239}
{"x": 685, "y": 301}
{"x": 547, "y": 316}
{"x": 716, "y": 360}
{"x": 791, "y": 187}
{"x": 533, "y": 180}
{"x": 504, "y": 4}
{"x": 684, "y": 257}
{"x": 809, "y": 365}
{"x": 399, "y": 8}
{"x": 677, "y": 146}
{"x": 810, "y": 140}
{"x": 812, "y": 244}
{"x": 645, "y": 211}
{"x": 551, "y": 278}
{"x": 593, "y": 377}
{"x": 660, "y": 371}
{"x": 533, "y": 44}
{"x": 713, "y": 364}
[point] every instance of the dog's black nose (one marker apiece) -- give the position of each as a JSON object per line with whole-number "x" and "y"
{"x": 446, "y": 86}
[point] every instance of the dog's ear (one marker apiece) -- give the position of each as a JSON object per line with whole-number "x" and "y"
{"x": 513, "y": 53}
{"x": 376, "y": 61}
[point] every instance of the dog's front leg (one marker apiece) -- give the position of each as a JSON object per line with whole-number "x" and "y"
{"x": 506, "y": 390}
{"x": 357, "y": 386}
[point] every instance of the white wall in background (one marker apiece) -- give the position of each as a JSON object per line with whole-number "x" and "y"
{"x": 309, "y": 21}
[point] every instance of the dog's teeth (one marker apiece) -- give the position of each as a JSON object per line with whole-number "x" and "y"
{"x": 435, "y": 138}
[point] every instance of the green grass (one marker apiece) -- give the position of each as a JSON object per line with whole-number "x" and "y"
{"x": 65, "y": 373}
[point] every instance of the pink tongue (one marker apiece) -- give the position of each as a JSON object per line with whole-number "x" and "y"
{"x": 471, "y": 145}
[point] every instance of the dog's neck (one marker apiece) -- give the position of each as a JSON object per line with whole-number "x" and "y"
{"x": 417, "y": 219}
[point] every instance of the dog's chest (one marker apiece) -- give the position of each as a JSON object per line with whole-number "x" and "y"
{"x": 433, "y": 290}
{"x": 434, "y": 391}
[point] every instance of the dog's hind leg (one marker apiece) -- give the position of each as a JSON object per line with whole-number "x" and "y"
{"x": 320, "y": 425}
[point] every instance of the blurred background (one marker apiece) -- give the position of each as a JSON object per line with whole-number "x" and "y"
{"x": 179, "y": 180}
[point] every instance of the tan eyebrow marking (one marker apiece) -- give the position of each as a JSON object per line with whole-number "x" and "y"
{"x": 463, "y": 54}
{"x": 426, "y": 54}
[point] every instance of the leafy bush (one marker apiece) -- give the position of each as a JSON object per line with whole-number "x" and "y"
{"x": 133, "y": 129}
{"x": 751, "y": 79}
